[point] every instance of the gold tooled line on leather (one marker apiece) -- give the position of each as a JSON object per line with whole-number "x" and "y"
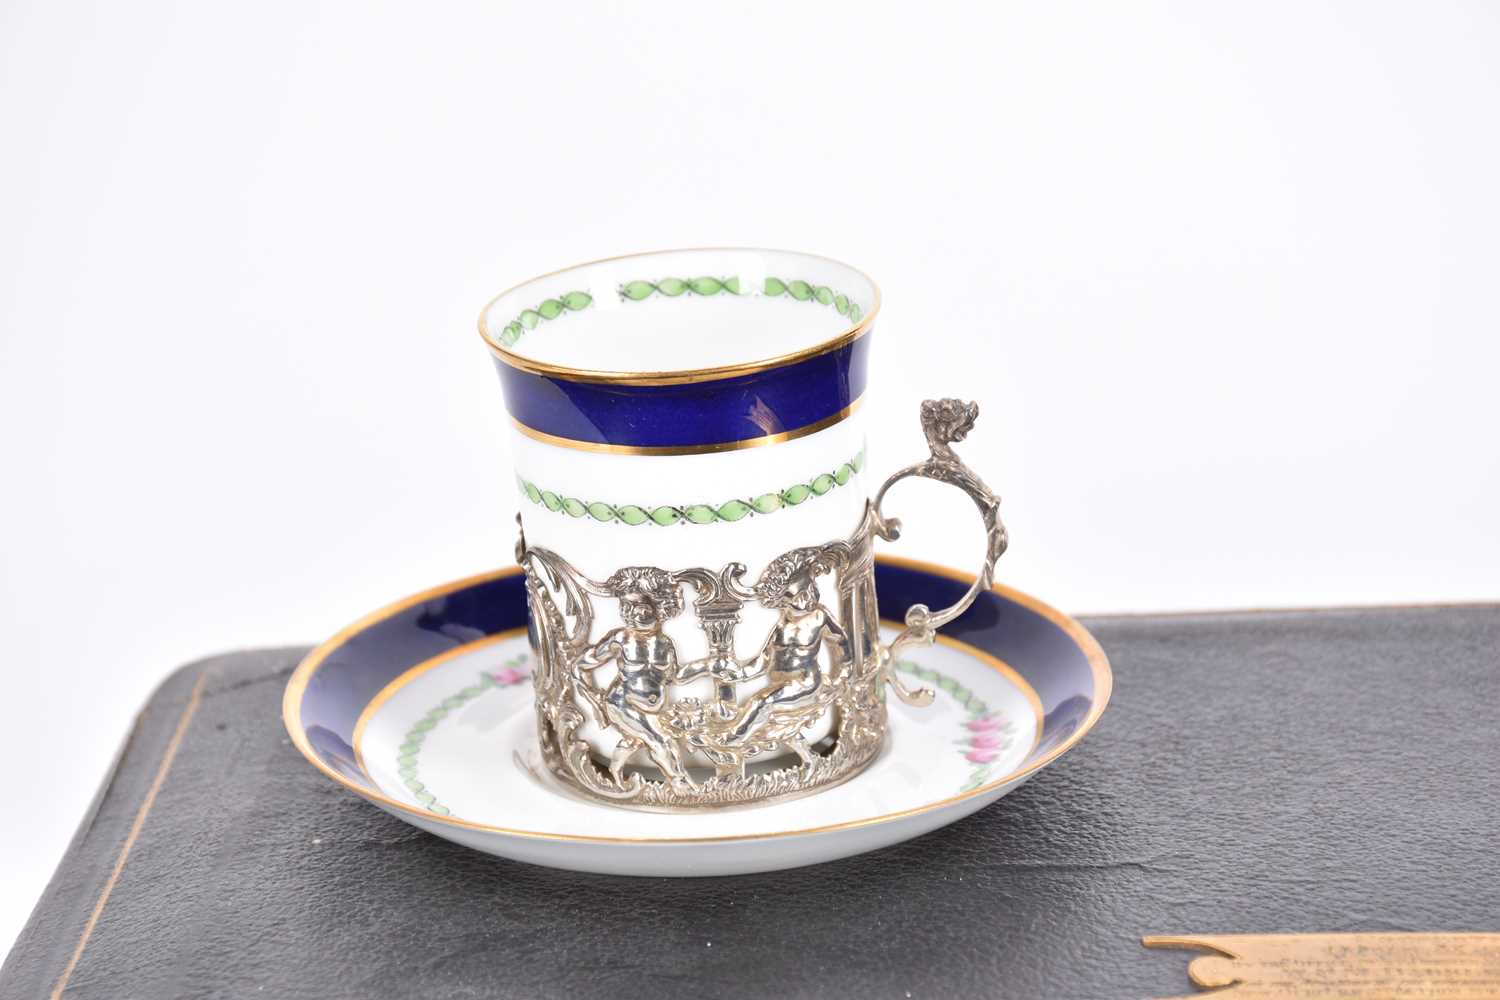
{"x": 147, "y": 803}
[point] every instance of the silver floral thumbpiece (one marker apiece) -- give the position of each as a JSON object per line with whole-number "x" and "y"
{"x": 801, "y": 709}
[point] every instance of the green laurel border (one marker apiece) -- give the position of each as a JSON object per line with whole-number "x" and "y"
{"x": 976, "y": 709}
{"x": 667, "y": 515}
{"x": 408, "y": 754}
{"x": 705, "y": 286}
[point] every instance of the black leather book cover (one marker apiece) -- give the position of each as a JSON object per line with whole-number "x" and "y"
{"x": 1256, "y": 772}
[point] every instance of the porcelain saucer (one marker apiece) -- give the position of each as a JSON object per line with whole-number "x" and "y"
{"x": 424, "y": 708}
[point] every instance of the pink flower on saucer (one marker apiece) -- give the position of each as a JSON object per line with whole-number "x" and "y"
{"x": 510, "y": 675}
{"x": 983, "y": 756}
{"x": 983, "y": 723}
{"x": 986, "y": 741}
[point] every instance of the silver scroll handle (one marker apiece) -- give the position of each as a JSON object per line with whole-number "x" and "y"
{"x": 944, "y": 421}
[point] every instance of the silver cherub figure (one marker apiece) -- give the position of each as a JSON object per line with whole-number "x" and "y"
{"x": 645, "y": 660}
{"x": 790, "y": 658}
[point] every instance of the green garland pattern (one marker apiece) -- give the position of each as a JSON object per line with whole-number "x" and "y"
{"x": 984, "y": 724}
{"x": 549, "y": 309}
{"x": 694, "y": 513}
{"x": 705, "y": 286}
{"x": 513, "y": 671}
{"x": 516, "y": 670}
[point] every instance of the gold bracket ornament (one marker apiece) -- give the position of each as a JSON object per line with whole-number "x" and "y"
{"x": 1342, "y": 966}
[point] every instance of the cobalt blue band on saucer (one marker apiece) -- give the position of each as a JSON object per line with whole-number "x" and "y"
{"x": 763, "y": 407}
{"x": 336, "y": 682}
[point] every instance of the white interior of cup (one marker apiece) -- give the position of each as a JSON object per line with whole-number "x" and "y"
{"x": 680, "y": 310}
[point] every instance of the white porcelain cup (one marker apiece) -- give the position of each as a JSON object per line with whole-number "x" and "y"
{"x": 697, "y": 413}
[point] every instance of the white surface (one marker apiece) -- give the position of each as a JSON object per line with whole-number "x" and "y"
{"x": 1222, "y": 275}
{"x": 923, "y": 765}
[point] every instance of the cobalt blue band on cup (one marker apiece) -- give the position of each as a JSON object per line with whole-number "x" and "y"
{"x": 714, "y": 415}
{"x": 648, "y": 354}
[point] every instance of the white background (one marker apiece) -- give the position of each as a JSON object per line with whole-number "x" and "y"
{"x": 1223, "y": 277}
